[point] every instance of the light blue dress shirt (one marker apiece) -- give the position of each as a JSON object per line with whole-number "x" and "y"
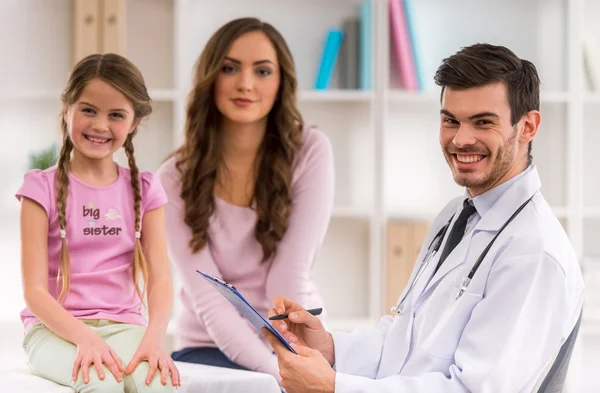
{"x": 485, "y": 201}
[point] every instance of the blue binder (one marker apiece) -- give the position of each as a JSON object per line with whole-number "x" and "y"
{"x": 366, "y": 46}
{"x": 329, "y": 58}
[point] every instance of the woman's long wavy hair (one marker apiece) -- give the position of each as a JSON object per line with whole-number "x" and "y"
{"x": 125, "y": 77}
{"x": 200, "y": 156}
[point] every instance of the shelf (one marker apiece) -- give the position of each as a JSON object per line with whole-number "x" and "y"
{"x": 412, "y": 214}
{"x": 350, "y": 212}
{"x": 400, "y": 96}
{"x": 430, "y": 214}
{"x": 592, "y": 98}
{"x": 31, "y": 94}
{"x": 433, "y": 97}
{"x": 172, "y": 94}
{"x": 591, "y": 320}
{"x": 335, "y": 96}
{"x": 558, "y": 97}
{"x": 305, "y": 96}
{"x": 560, "y": 211}
{"x": 54, "y": 94}
{"x": 164, "y": 94}
{"x": 591, "y": 212}
{"x": 348, "y": 324}
{"x": 590, "y": 328}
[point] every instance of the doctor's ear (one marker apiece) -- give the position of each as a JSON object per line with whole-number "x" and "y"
{"x": 531, "y": 122}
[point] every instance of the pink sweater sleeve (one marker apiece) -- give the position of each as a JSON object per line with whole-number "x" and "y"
{"x": 312, "y": 198}
{"x": 231, "y": 332}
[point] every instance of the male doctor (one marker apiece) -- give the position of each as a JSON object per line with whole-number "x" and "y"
{"x": 492, "y": 330}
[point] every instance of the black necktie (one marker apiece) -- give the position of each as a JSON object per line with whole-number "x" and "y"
{"x": 458, "y": 230}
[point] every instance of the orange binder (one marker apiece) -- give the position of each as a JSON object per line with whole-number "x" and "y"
{"x": 99, "y": 27}
{"x": 85, "y": 28}
{"x": 404, "y": 241}
{"x": 112, "y": 28}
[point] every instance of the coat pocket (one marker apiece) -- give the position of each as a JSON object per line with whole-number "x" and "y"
{"x": 443, "y": 339}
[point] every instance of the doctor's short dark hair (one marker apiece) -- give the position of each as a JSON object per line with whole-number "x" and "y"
{"x": 481, "y": 64}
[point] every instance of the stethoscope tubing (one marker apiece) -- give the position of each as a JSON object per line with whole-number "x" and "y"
{"x": 431, "y": 253}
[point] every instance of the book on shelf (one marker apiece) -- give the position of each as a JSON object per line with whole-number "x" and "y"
{"x": 112, "y": 13}
{"x": 405, "y": 43}
{"x": 404, "y": 241}
{"x": 98, "y": 27}
{"x": 591, "y": 62}
{"x": 86, "y": 28}
{"x": 329, "y": 58}
{"x": 366, "y": 43}
{"x": 347, "y": 53}
{"x": 410, "y": 15}
{"x": 347, "y": 66}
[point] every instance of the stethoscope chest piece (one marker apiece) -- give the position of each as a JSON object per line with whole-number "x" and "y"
{"x": 463, "y": 287}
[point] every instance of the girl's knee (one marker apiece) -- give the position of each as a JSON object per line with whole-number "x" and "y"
{"x": 138, "y": 380}
{"x": 155, "y": 386}
{"x": 108, "y": 385}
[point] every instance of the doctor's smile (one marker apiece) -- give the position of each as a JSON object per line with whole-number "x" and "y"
{"x": 468, "y": 161}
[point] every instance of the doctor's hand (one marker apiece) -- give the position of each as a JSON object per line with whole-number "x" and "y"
{"x": 302, "y": 328}
{"x": 308, "y": 371}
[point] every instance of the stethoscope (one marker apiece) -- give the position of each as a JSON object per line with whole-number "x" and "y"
{"x": 434, "y": 247}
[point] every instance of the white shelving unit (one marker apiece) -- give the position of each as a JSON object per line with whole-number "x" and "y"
{"x": 387, "y": 157}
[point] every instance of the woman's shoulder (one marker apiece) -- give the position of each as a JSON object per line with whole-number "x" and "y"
{"x": 314, "y": 138}
{"x": 316, "y": 149}
{"x": 168, "y": 172}
{"x": 170, "y": 178}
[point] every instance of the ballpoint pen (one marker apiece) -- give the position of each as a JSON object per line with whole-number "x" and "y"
{"x": 313, "y": 311}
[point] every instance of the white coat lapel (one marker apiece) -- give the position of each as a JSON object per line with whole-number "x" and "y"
{"x": 455, "y": 259}
{"x": 422, "y": 283}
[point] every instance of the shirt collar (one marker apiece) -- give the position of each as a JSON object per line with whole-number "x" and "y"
{"x": 485, "y": 201}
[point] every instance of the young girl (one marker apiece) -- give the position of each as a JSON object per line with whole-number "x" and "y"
{"x": 250, "y": 195}
{"x": 90, "y": 229}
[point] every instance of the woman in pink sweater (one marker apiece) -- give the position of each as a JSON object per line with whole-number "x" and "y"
{"x": 250, "y": 195}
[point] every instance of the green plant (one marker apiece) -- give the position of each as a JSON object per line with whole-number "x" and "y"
{"x": 43, "y": 159}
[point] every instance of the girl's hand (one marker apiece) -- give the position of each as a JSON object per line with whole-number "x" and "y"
{"x": 157, "y": 358}
{"x": 94, "y": 350}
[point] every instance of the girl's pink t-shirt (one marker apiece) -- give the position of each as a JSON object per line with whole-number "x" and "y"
{"x": 100, "y": 234}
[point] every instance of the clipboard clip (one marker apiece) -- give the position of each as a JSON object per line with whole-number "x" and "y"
{"x": 220, "y": 281}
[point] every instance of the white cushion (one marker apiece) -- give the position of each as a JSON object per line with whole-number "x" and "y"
{"x": 20, "y": 379}
{"x": 196, "y": 378}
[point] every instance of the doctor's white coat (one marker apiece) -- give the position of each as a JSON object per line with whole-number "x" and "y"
{"x": 520, "y": 307}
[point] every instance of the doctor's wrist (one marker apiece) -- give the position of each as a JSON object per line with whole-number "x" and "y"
{"x": 328, "y": 351}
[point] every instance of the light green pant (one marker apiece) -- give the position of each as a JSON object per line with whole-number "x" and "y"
{"x": 52, "y": 358}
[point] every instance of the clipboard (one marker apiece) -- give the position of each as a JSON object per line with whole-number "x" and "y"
{"x": 244, "y": 308}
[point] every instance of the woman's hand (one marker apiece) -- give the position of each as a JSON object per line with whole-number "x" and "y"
{"x": 157, "y": 359}
{"x": 93, "y": 350}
